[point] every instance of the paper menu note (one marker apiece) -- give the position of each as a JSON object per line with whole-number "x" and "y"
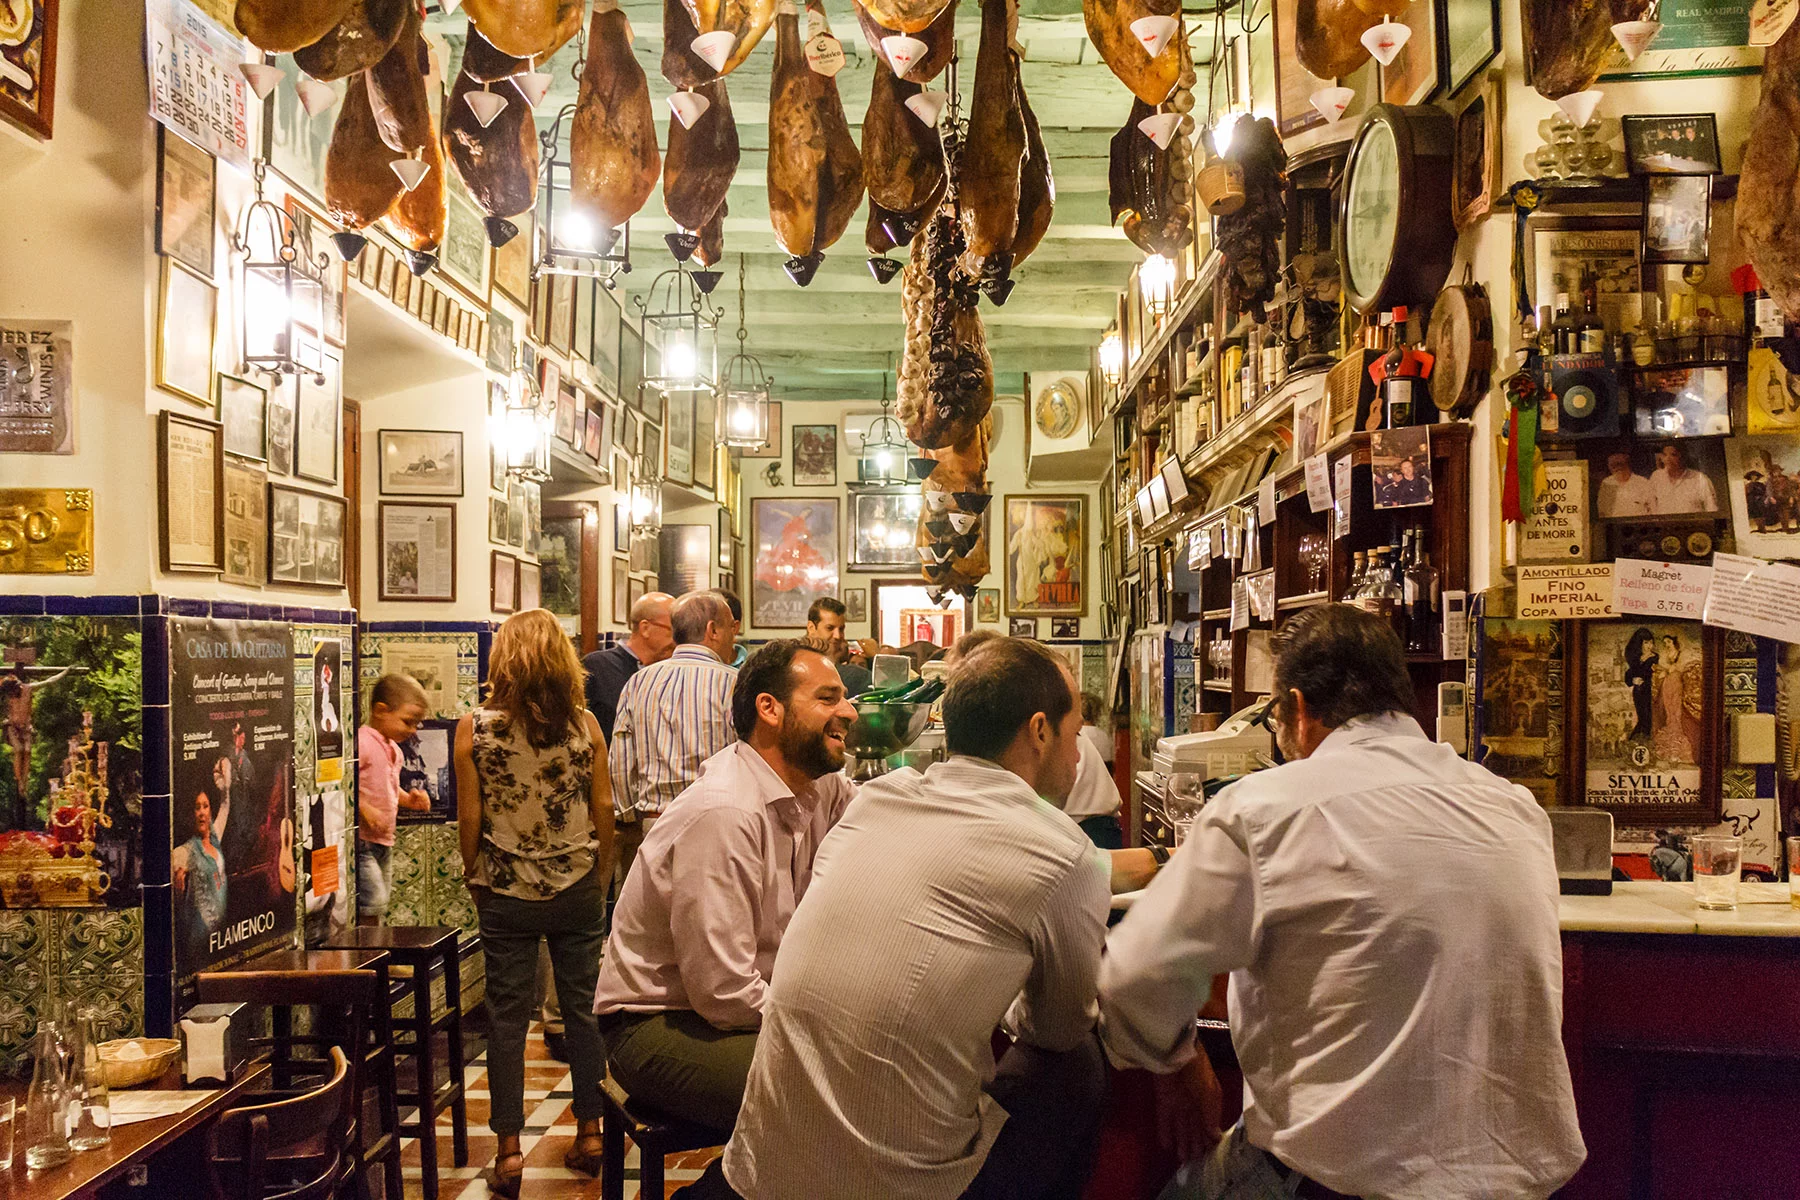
{"x": 1578, "y": 590}
{"x": 1660, "y": 589}
{"x": 1340, "y": 472}
{"x": 1318, "y": 484}
{"x": 1753, "y": 596}
{"x": 129, "y": 1107}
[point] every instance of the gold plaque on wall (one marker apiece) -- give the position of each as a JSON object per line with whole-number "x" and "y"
{"x": 46, "y": 531}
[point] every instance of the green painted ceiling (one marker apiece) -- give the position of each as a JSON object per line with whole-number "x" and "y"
{"x": 835, "y": 339}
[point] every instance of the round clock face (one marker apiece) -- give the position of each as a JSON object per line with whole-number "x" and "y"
{"x": 1373, "y": 212}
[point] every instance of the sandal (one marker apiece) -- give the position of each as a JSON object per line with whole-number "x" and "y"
{"x": 586, "y": 1154}
{"x": 506, "y": 1183}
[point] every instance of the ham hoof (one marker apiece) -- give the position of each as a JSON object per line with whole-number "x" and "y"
{"x": 802, "y": 267}
{"x": 500, "y": 231}
{"x": 349, "y": 245}
{"x": 884, "y": 269}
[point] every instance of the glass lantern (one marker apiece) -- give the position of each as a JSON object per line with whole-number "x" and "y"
{"x": 744, "y": 387}
{"x": 883, "y": 461}
{"x": 283, "y": 285}
{"x": 569, "y": 239}
{"x": 680, "y": 331}
{"x": 526, "y": 430}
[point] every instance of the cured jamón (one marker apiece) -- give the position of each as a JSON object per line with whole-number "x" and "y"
{"x": 815, "y": 169}
{"x": 903, "y": 161}
{"x": 1768, "y": 203}
{"x": 283, "y": 26}
{"x": 994, "y": 153}
{"x": 422, "y": 214}
{"x": 360, "y": 186}
{"x": 745, "y": 20}
{"x": 612, "y": 149}
{"x": 1037, "y": 186}
{"x": 397, "y": 89}
{"x": 905, "y": 16}
{"x": 1567, "y": 42}
{"x": 484, "y": 64}
{"x": 946, "y": 383}
{"x": 1143, "y": 191}
{"x": 1327, "y": 36}
{"x": 712, "y": 239}
{"x": 680, "y": 65}
{"x": 1109, "y": 28}
{"x": 939, "y": 38}
{"x": 526, "y": 28}
{"x": 698, "y": 169}
{"x": 357, "y": 42}
{"x": 497, "y": 163}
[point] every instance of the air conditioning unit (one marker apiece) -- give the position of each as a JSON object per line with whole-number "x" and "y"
{"x": 1060, "y": 434}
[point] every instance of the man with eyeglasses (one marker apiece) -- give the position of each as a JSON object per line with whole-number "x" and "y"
{"x": 652, "y": 640}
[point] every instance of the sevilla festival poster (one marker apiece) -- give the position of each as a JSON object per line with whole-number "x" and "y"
{"x": 232, "y": 733}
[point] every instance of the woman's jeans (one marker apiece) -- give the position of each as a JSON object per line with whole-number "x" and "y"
{"x": 572, "y": 922}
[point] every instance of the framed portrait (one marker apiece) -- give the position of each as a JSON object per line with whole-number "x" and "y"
{"x": 421, "y": 462}
{"x": 650, "y": 447}
{"x": 186, "y": 201}
{"x": 1413, "y": 76}
{"x": 1677, "y": 218}
{"x": 318, "y": 411}
{"x": 1672, "y": 144}
{"x": 621, "y": 584}
{"x": 1294, "y": 84}
{"x": 856, "y": 605}
{"x": 503, "y": 582}
{"x": 1400, "y": 467}
{"x": 418, "y": 551}
{"x": 815, "y": 455}
{"x": 426, "y": 766}
{"x": 987, "y": 606}
{"x": 631, "y": 365}
{"x": 706, "y": 418}
{"x": 773, "y": 447}
{"x": 515, "y": 514}
{"x": 679, "y": 467}
{"x": 463, "y": 257}
{"x": 1046, "y": 556}
{"x": 882, "y": 528}
{"x": 306, "y": 537}
{"x": 312, "y": 240}
{"x": 795, "y": 558}
{"x": 512, "y": 269}
{"x": 1566, "y": 250}
{"x": 246, "y": 524}
{"x": 1471, "y": 40}
{"x": 187, "y": 315}
{"x": 593, "y": 426}
{"x": 1764, "y": 483}
{"x": 28, "y": 79}
{"x": 531, "y": 586}
{"x": 1644, "y": 695}
{"x": 1478, "y": 137}
{"x": 190, "y": 476}
{"x": 1022, "y": 627}
{"x": 499, "y": 356}
{"x": 1636, "y": 480}
{"x": 281, "y": 431}
{"x": 565, "y": 415}
{"x": 1065, "y": 628}
{"x": 497, "y": 519}
{"x": 244, "y": 412}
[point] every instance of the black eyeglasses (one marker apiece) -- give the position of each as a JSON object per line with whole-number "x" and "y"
{"x": 1265, "y": 716}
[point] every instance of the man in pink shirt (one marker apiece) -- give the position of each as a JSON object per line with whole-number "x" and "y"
{"x": 695, "y": 932}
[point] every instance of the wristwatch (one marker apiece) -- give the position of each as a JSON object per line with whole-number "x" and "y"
{"x": 1160, "y": 854}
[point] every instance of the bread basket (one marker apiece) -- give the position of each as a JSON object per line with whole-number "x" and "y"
{"x": 130, "y": 1071}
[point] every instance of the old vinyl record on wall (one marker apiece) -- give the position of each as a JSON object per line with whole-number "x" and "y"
{"x": 1587, "y": 396}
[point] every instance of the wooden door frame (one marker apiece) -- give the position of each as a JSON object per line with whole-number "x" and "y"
{"x": 352, "y": 434}
{"x": 588, "y": 563}
{"x": 875, "y": 586}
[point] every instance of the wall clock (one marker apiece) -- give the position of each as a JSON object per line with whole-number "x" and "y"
{"x": 1396, "y": 193}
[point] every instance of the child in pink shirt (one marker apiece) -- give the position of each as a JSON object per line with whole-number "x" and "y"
{"x": 396, "y": 706}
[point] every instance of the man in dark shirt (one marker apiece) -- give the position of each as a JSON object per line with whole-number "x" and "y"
{"x": 825, "y": 629}
{"x": 652, "y": 640}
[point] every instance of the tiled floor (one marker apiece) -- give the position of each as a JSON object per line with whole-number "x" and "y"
{"x": 549, "y": 1132}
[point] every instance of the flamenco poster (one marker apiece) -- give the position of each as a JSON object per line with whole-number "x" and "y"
{"x": 796, "y": 559}
{"x": 231, "y": 725}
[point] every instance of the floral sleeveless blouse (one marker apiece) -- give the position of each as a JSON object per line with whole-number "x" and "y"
{"x": 537, "y": 838}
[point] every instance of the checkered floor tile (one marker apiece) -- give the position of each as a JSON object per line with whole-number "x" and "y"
{"x": 549, "y": 1132}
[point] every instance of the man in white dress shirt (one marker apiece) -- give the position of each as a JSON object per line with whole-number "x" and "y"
{"x": 1388, "y": 914}
{"x": 941, "y": 906}
{"x": 1678, "y": 488}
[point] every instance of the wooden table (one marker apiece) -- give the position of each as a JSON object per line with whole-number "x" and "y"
{"x": 132, "y": 1145}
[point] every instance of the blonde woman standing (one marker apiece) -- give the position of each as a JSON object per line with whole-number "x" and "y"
{"x": 536, "y": 822}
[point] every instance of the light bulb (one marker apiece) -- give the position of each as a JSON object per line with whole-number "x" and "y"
{"x": 1224, "y": 125}
{"x": 576, "y": 231}
{"x": 1112, "y": 356}
{"x": 742, "y": 419}
{"x": 884, "y": 461}
{"x": 679, "y": 360}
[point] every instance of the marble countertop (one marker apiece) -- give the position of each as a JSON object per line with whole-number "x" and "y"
{"x": 1653, "y": 907}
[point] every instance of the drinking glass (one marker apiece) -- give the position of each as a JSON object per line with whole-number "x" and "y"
{"x": 90, "y": 1104}
{"x": 1717, "y": 862}
{"x": 1186, "y": 794}
{"x": 8, "y": 1110}
{"x": 1793, "y": 866}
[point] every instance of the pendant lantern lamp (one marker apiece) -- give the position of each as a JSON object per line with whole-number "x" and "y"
{"x": 283, "y": 286}
{"x": 680, "y": 333}
{"x": 744, "y": 415}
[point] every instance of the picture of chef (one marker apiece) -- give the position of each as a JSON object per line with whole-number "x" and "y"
{"x": 1623, "y": 492}
{"x": 1677, "y": 488}
{"x": 1674, "y": 478}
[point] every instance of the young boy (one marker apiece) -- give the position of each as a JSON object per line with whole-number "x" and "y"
{"x": 396, "y": 706}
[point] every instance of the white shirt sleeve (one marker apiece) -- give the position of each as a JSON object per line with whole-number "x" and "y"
{"x": 1197, "y": 919}
{"x": 1056, "y": 1009}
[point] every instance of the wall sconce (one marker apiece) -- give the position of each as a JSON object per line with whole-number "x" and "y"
{"x": 1112, "y": 356}
{"x": 526, "y": 431}
{"x": 1157, "y": 278}
{"x": 282, "y": 286}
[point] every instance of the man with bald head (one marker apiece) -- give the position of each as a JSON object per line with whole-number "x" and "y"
{"x": 651, "y": 641}
{"x": 673, "y": 716}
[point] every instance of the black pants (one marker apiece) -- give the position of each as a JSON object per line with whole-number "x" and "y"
{"x": 1054, "y": 1106}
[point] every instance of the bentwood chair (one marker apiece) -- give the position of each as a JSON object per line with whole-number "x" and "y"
{"x": 292, "y": 1147}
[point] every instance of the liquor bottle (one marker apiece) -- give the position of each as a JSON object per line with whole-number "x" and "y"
{"x": 1563, "y": 330}
{"x": 1422, "y": 601}
{"x": 1590, "y": 331}
{"x": 1763, "y": 315}
{"x": 1358, "y": 578}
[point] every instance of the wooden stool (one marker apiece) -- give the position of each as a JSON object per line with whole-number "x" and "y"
{"x": 353, "y": 983}
{"x": 424, "y": 949}
{"x": 656, "y": 1134}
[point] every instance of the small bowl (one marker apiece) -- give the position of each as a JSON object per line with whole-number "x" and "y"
{"x": 159, "y": 1054}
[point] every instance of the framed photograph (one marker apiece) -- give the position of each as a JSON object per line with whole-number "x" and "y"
{"x": 882, "y": 528}
{"x": 1022, "y": 627}
{"x": 500, "y": 342}
{"x": 565, "y": 415}
{"x": 418, "y": 551}
{"x": 631, "y": 365}
{"x": 1641, "y": 692}
{"x": 244, "y": 412}
{"x": 512, "y": 270}
{"x": 684, "y": 553}
{"x": 1634, "y": 480}
{"x": 426, "y": 766}
{"x": 591, "y": 435}
{"x": 1046, "y": 556}
{"x": 1764, "y": 474}
{"x": 679, "y": 468}
{"x": 531, "y": 586}
{"x": 1065, "y": 628}
{"x": 856, "y": 605}
{"x": 1312, "y": 428}
{"x": 815, "y": 455}
{"x": 497, "y": 519}
{"x": 421, "y": 462}
{"x": 621, "y": 583}
{"x": 190, "y": 474}
{"x": 1471, "y": 40}
{"x": 312, "y": 235}
{"x": 1677, "y": 218}
{"x": 246, "y": 524}
{"x": 28, "y": 78}
{"x": 581, "y": 345}
{"x": 1413, "y": 76}
{"x": 515, "y": 514}
{"x": 306, "y": 537}
{"x": 1520, "y": 718}
{"x": 796, "y": 558}
{"x": 1672, "y": 144}
{"x": 603, "y": 352}
{"x": 318, "y": 413}
{"x": 561, "y": 311}
{"x": 773, "y": 447}
{"x": 1682, "y": 401}
{"x": 1294, "y": 84}
{"x": 1478, "y": 137}
{"x": 463, "y": 257}
{"x": 987, "y": 606}
{"x": 634, "y": 591}
{"x": 186, "y": 201}
{"x": 281, "y": 431}
{"x": 1400, "y": 467}
{"x": 187, "y": 314}
{"x": 503, "y": 582}
{"x": 650, "y": 448}
{"x": 1565, "y": 250}
{"x": 706, "y": 418}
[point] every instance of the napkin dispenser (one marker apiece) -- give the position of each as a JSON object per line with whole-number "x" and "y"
{"x": 1582, "y": 839}
{"x": 217, "y": 1040}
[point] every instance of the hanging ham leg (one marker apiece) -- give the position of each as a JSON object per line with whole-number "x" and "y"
{"x": 1327, "y": 36}
{"x": 360, "y": 186}
{"x": 1143, "y": 191}
{"x": 946, "y": 383}
{"x": 283, "y": 26}
{"x": 680, "y": 65}
{"x": 905, "y": 16}
{"x": 1768, "y": 202}
{"x": 745, "y": 20}
{"x": 422, "y": 214}
{"x": 498, "y": 163}
{"x": 815, "y": 169}
{"x": 526, "y": 28}
{"x": 712, "y": 239}
{"x": 1037, "y": 186}
{"x": 1567, "y": 42}
{"x": 484, "y": 64}
{"x": 397, "y": 89}
{"x": 1109, "y": 28}
{"x": 357, "y": 42}
{"x": 613, "y": 151}
{"x": 939, "y": 38}
{"x": 903, "y": 161}
{"x": 698, "y": 169}
{"x": 988, "y": 177}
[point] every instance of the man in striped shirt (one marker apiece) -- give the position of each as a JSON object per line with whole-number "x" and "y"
{"x": 673, "y": 716}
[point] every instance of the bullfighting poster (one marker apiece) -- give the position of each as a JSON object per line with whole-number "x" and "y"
{"x": 796, "y": 559}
